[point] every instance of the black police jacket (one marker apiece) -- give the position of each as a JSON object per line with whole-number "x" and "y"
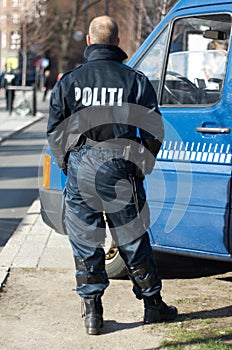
{"x": 103, "y": 83}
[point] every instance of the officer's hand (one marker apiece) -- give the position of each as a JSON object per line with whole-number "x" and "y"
{"x": 65, "y": 170}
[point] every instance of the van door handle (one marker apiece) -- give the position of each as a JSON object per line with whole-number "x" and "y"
{"x": 217, "y": 130}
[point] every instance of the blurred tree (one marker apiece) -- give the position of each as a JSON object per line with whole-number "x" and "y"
{"x": 56, "y": 32}
{"x": 61, "y": 31}
{"x": 148, "y": 14}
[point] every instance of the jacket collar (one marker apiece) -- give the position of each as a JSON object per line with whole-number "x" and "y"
{"x": 104, "y": 52}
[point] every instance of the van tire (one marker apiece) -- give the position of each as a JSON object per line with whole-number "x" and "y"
{"x": 115, "y": 266}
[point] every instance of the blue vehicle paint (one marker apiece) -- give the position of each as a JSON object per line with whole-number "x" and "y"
{"x": 191, "y": 209}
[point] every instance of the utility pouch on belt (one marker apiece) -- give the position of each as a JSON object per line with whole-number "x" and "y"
{"x": 141, "y": 157}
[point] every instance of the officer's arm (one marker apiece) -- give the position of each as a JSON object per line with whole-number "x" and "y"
{"x": 56, "y": 112}
{"x": 56, "y": 131}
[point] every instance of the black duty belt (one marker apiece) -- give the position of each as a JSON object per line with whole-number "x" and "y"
{"x": 104, "y": 144}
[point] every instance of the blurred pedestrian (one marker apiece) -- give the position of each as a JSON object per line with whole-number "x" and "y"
{"x": 47, "y": 85}
{"x": 9, "y": 80}
{"x": 2, "y": 77}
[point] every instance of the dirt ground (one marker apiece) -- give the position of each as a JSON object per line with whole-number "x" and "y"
{"x": 39, "y": 309}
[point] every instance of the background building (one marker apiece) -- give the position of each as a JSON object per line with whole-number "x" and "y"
{"x": 14, "y": 17}
{"x": 10, "y": 43}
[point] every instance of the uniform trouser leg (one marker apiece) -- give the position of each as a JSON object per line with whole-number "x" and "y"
{"x": 141, "y": 263}
{"x": 86, "y": 230}
{"x": 142, "y": 267}
{"x": 85, "y": 223}
{"x": 128, "y": 228}
{"x": 91, "y": 276}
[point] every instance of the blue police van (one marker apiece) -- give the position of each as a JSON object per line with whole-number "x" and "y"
{"x": 188, "y": 59}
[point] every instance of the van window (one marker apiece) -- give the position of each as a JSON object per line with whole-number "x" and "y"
{"x": 152, "y": 62}
{"x": 197, "y": 60}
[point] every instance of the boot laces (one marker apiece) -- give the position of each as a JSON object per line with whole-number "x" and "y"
{"x": 83, "y": 309}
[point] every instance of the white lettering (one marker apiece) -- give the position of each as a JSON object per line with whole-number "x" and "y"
{"x": 95, "y": 101}
{"x": 103, "y": 96}
{"x": 87, "y": 96}
{"x": 112, "y": 92}
{"x": 97, "y": 97}
{"x": 120, "y": 94}
{"x": 77, "y": 93}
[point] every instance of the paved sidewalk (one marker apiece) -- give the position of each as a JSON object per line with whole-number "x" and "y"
{"x": 10, "y": 124}
{"x": 35, "y": 245}
{"x": 21, "y": 116}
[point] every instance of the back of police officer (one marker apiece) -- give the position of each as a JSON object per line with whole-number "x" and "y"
{"x": 98, "y": 172}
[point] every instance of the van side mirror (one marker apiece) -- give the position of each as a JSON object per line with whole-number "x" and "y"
{"x": 215, "y": 34}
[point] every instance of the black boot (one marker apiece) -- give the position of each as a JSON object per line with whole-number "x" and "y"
{"x": 93, "y": 316}
{"x": 157, "y": 311}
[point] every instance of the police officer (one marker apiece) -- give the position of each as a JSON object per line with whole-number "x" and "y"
{"x": 104, "y": 177}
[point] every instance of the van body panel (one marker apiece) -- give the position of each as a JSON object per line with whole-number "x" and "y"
{"x": 189, "y": 191}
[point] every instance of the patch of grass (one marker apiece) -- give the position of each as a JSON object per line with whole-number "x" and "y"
{"x": 186, "y": 336}
{"x": 28, "y": 269}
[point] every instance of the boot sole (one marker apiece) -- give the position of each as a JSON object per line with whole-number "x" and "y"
{"x": 159, "y": 319}
{"x": 93, "y": 331}
{"x": 166, "y": 319}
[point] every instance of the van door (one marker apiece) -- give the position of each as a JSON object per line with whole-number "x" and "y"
{"x": 189, "y": 191}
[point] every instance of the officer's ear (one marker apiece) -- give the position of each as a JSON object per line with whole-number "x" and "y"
{"x": 117, "y": 42}
{"x": 88, "y": 40}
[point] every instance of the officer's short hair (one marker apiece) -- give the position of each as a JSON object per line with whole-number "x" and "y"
{"x": 103, "y": 30}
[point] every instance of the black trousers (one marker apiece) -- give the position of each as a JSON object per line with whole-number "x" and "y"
{"x": 101, "y": 187}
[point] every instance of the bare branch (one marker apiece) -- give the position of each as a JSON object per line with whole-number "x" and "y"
{"x": 85, "y": 8}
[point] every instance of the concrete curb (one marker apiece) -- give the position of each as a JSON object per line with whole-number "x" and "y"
{"x": 12, "y": 247}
